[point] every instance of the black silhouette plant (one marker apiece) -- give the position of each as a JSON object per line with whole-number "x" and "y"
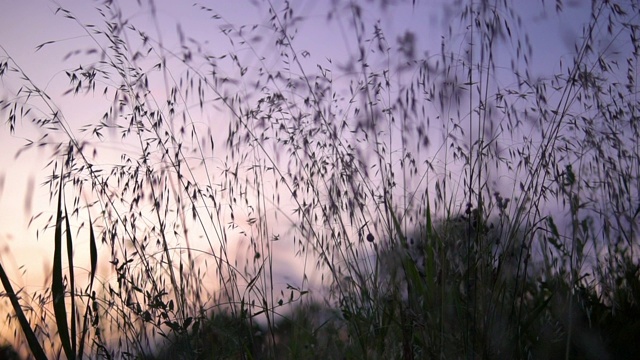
{"x": 441, "y": 204}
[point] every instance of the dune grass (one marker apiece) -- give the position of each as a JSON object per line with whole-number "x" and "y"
{"x": 277, "y": 204}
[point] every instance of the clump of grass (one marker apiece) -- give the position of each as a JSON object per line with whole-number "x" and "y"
{"x": 443, "y": 213}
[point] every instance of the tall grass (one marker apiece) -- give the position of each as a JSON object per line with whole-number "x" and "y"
{"x": 442, "y": 204}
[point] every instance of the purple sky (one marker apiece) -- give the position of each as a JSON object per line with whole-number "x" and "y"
{"x": 28, "y": 23}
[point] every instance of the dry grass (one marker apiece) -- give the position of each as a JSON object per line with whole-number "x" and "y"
{"x": 434, "y": 212}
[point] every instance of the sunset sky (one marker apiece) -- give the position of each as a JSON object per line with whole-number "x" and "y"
{"x": 463, "y": 165}
{"x": 24, "y": 25}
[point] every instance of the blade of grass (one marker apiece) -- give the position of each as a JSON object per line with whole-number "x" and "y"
{"x": 72, "y": 283}
{"x": 57, "y": 283}
{"x": 414, "y": 280}
{"x": 93, "y": 252}
{"x": 429, "y": 256}
{"x": 34, "y": 345}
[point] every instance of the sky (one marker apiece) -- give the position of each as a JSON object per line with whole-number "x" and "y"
{"x": 26, "y": 24}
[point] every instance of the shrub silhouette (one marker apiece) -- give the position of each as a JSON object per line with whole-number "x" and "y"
{"x": 7, "y": 352}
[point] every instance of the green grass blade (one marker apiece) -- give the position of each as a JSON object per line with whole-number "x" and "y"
{"x": 57, "y": 283}
{"x": 93, "y": 252}
{"x": 72, "y": 283}
{"x": 429, "y": 254}
{"x": 34, "y": 345}
{"x": 412, "y": 274}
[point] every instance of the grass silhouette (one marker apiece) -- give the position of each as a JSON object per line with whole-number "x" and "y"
{"x": 431, "y": 210}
